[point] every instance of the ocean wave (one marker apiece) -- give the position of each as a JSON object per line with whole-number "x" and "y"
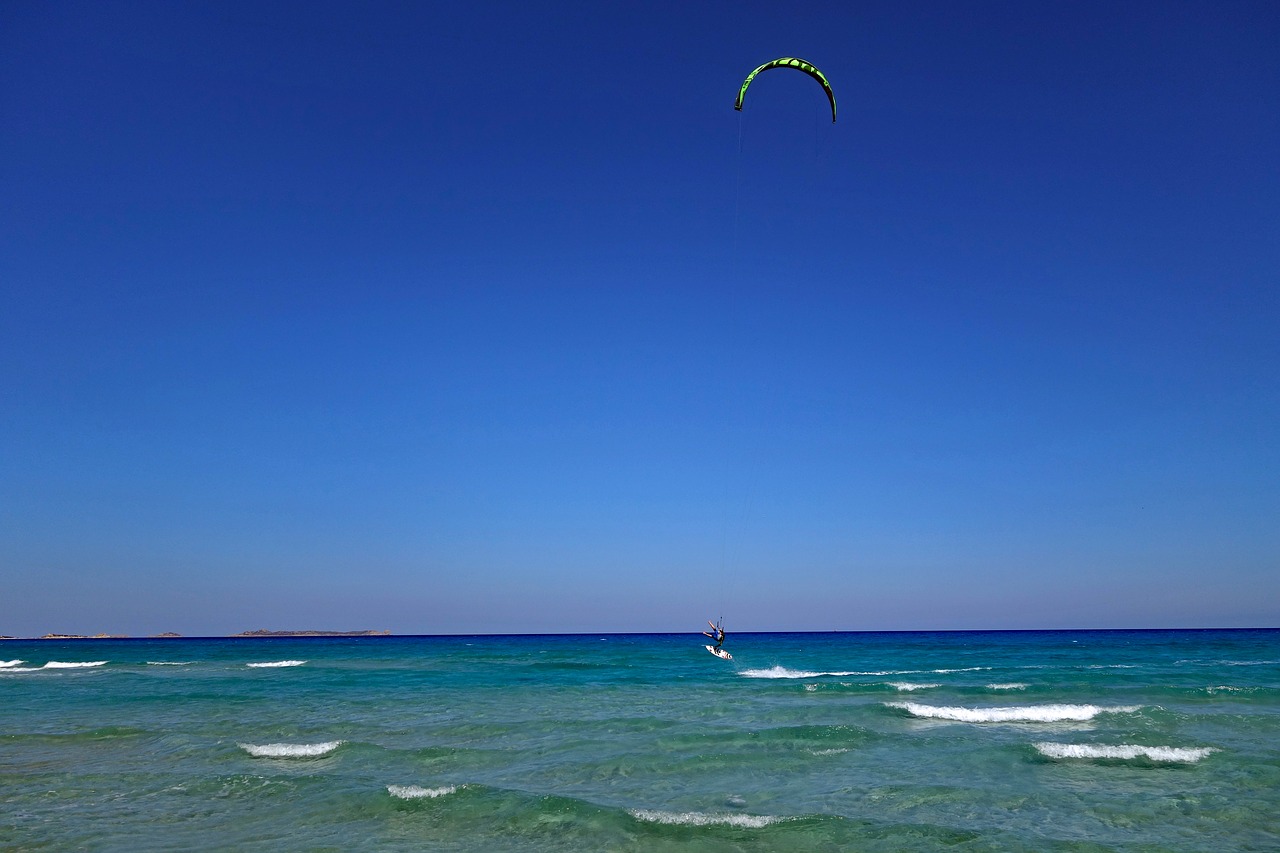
{"x": 1012, "y": 685}
{"x": 1249, "y": 662}
{"x": 1011, "y": 714}
{"x": 1226, "y": 688}
{"x": 276, "y": 663}
{"x": 838, "y": 751}
{"x": 704, "y": 819}
{"x": 784, "y": 672}
{"x": 4, "y": 664}
{"x": 170, "y": 662}
{"x": 1174, "y": 754}
{"x": 290, "y": 750}
{"x": 53, "y": 664}
{"x": 908, "y": 686}
{"x": 413, "y": 792}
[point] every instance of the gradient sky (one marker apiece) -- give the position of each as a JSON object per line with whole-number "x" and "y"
{"x": 496, "y": 317}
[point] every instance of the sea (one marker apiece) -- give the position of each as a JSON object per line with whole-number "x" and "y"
{"x": 957, "y": 741}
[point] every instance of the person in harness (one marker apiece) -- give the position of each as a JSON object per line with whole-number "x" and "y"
{"x": 716, "y": 633}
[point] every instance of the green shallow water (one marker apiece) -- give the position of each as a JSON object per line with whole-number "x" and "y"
{"x": 1036, "y": 741}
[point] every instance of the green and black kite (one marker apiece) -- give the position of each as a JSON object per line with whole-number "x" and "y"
{"x": 799, "y": 65}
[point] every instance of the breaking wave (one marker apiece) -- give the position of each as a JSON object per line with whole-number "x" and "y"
{"x": 4, "y": 664}
{"x": 1011, "y": 714}
{"x": 703, "y": 819}
{"x": 290, "y": 750}
{"x": 276, "y": 663}
{"x": 12, "y": 666}
{"x": 413, "y": 792}
{"x": 1171, "y": 754}
{"x": 1012, "y": 685}
{"x": 908, "y": 686}
{"x": 1226, "y": 688}
{"x": 785, "y": 672}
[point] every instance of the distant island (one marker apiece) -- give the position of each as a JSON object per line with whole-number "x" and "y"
{"x": 263, "y": 632}
{"x": 85, "y": 637}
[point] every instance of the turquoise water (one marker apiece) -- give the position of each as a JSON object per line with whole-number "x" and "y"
{"x": 1028, "y": 741}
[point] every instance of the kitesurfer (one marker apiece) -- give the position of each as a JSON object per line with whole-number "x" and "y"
{"x": 716, "y": 633}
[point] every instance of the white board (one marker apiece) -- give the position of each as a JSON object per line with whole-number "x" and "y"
{"x": 720, "y": 653}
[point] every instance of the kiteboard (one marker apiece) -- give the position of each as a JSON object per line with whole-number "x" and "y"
{"x": 720, "y": 653}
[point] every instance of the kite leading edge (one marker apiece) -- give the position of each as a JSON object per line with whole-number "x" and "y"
{"x": 799, "y": 65}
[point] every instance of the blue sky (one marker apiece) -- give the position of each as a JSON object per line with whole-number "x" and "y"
{"x": 496, "y": 317}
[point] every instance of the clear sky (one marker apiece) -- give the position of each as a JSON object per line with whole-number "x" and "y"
{"x": 496, "y": 317}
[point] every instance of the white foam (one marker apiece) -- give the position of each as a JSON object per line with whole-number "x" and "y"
{"x": 290, "y": 750}
{"x": 780, "y": 672}
{"x": 1250, "y": 662}
{"x": 783, "y": 672}
{"x": 413, "y": 792}
{"x": 828, "y": 751}
{"x": 20, "y": 669}
{"x": 1012, "y": 685}
{"x": 703, "y": 819}
{"x": 277, "y": 663}
{"x": 1184, "y": 755}
{"x": 58, "y": 664}
{"x": 1012, "y": 714}
{"x": 908, "y": 686}
{"x": 4, "y": 664}
{"x": 170, "y": 662}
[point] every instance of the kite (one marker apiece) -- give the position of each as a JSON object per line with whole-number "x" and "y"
{"x": 799, "y": 65}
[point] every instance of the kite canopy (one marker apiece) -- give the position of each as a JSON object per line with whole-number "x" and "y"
{"x": 799, "y": 65}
